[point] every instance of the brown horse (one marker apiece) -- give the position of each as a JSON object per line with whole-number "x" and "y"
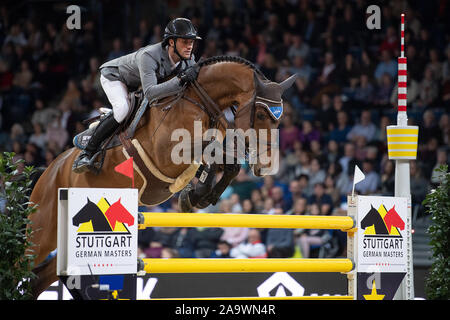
{"x": 222, "y": 82}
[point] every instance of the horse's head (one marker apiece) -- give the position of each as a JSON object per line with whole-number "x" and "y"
{"x": 117, "y": 212}
{"x": 392, "y": 218}
{"x": 370, "y": 218}
{"x": 85, "y": 214}
{"x": 262, "y": 116}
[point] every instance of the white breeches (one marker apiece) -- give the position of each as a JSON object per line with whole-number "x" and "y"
{"x": 117, "y": 93}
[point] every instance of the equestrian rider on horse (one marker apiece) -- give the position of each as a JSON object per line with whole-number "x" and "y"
{"x": 147, "y": 67}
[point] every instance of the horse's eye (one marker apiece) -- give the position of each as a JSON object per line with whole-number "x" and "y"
{"x": 261, "y": 116}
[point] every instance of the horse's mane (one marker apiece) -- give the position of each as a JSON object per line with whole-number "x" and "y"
{"x": 216, "y": 59}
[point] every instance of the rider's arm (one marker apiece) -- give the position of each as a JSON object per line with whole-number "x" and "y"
{"x": 153, "y": 90}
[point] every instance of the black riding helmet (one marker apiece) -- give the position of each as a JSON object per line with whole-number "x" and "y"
{"x": 179, "y": 28}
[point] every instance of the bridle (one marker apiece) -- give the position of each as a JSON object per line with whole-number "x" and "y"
{"x": 217, "y": 116}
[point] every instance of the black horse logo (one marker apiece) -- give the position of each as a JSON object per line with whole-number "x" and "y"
{"x": 373, "y": 218}
{"x": 90, "y": 212}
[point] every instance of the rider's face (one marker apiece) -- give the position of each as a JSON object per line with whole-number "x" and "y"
{"x": 184, "y": 47}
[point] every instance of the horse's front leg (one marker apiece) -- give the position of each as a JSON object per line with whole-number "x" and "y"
{"x": 191, "y": 195}
{"x": 203, "y": 193}
{"x": 230, "y": 172}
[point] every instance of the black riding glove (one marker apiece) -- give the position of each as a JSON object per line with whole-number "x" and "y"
{"x": 189, "y": 74}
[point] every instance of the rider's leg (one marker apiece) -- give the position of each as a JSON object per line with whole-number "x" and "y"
{"x": 117, "y": 94}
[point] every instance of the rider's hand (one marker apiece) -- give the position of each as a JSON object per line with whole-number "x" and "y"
{"x": 189, "y": 74}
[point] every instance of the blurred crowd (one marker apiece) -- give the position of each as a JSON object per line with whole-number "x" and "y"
{"x": 335, "y": 116}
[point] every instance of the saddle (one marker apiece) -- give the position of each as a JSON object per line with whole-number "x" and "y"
{"x": 138, "y": 106}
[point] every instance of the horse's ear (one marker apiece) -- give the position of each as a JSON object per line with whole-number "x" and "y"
{"x": 286, "y": 84}
{"x": 259, "y": 85}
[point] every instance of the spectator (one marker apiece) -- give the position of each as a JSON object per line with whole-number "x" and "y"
{"x": 38, "y": 137}
{"x": 388, "y": 179}
{"x": 280, "y": 242}
{"x": 206, "y": 241}
{"x": 268, "y": 206}
{"x": 184, "y": 242}
{"x": 300, "y": 207}
{"x": 322, "y": 199}
{"x": 364, "y": 128}
{"x": 387, "y": 65}
{"x": 333, "y": 153}
{"x": 444, "y": 127}
{"x": 332, "y": 191}
{"x": 435, "y": 65}
{"x": 299, "y": 48}
{"x": 289, "y": 134}
{"x": 223, "y": 250}
{"x": 325, "y": 116}
{"x": 364, "y": 92}
{"x": 428, "y": 89}
{"x": 349, "y": 155}
{"x": 310, "y": 237}
{"x": 441, "y": 159}
{"x": 308, "y": 133}
{"x": 251, "y": 248}
{"x": 302, "y": 70}
{"x": 316, "y": 174}
{"x": 169, "y": 253}
{"x": 116, "y": 50}
{"x": 340, "y": 132}
{"x": 248, "y": 207}
{"x": 57, "y": 134}
{"x": 257, "y": 200}
{"x": 429, "y": 128}
{"x": 383, "y": 92}
{"x": 22, "y": 79}
{"x": 350, "y": 72}
{"x": 419, "y": 186}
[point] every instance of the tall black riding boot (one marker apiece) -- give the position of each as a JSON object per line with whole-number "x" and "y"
{"x": 104, "y": 129}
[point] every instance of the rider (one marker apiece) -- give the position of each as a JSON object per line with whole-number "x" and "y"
{"x": 147, "y": 67}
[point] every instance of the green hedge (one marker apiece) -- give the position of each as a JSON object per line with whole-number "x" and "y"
{"x": 16, "y": 256}
{"x": 437, "y": 204}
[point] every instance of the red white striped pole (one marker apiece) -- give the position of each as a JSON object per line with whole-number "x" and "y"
{"x": 402, "y": 74}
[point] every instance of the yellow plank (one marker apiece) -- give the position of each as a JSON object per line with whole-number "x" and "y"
{"x": 220, "y": 220}
{"x": 184, "y": 265}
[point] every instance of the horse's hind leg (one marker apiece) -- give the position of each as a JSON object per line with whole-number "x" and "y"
{"x": 46, "y": 275}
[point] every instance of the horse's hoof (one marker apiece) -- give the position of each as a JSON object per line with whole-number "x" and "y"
{"x": 183, "y": 199}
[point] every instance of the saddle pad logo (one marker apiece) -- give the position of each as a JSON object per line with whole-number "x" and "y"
{"x": 103, "y": 217}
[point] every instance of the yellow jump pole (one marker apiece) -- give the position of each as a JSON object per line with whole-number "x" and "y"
{"x": 184, "y": 265}
{"x": 221, "y": 220}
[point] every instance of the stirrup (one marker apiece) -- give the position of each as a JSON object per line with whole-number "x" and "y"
{"x": 93, "y": 165}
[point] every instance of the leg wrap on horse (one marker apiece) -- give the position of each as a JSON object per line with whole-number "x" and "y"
{"x": 203, "y": 187}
